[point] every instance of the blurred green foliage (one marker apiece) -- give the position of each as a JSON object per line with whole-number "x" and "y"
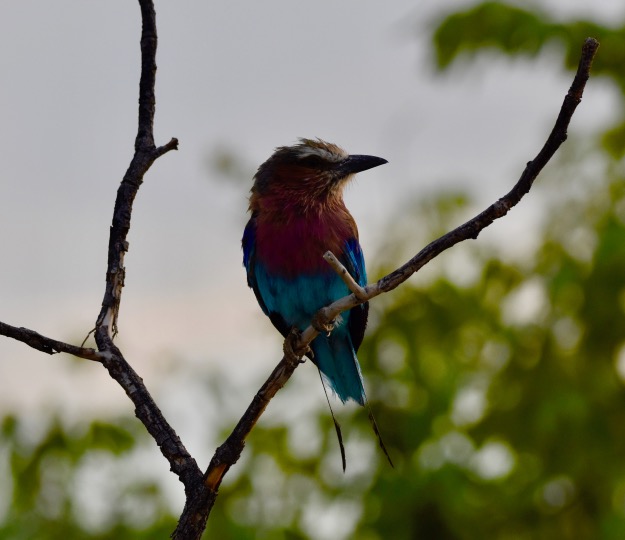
{"x": 513, "y": 30}
{"x": 501, "y": 399}
{"x": 502, "y": 402}
{"x": 45, "y": 470}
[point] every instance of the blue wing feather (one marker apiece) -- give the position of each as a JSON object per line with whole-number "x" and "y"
{"x": 248, "y": 242}
{"x": 354, "y": 261}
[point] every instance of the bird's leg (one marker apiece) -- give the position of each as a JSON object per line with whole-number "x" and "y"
{"x": 321, "y": 323}
{"x": 292, "y": 349}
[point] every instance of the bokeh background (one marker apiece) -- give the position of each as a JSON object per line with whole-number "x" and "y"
{"x": 497, "y": 374}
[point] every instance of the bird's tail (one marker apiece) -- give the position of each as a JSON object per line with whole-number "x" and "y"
{"x": 376, "y": 430}
{"x": 336, "y": 359}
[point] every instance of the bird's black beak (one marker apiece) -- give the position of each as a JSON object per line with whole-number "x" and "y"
{"x": 357, "y": 163}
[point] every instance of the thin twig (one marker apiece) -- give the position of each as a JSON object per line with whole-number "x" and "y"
{"x": 359, "y": 292}
{"x": 228, "y": 453}
{"x": 46, "y": 344}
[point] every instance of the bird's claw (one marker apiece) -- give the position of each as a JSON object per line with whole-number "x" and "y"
{"x": 292, "y": 350}
{"x": 322, "y": 325}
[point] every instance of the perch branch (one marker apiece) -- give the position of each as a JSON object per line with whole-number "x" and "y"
{"x": 196, "y": 513}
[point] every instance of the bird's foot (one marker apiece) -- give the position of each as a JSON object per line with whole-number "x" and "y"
{"x": 321, "y": 324}
{"x": 292, "y": 349}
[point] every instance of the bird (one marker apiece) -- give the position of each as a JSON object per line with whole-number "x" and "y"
{"x": 297, "y": 214}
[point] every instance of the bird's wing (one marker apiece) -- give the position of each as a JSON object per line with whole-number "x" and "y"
{"x": 249, "y": 244}
{"x": 354, "y": 261}
{"x": 249, "y": 261}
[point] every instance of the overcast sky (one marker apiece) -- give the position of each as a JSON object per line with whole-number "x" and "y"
{"x": 247, "y": 76}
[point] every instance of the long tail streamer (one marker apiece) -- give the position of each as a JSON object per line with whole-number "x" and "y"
{"x": 337, "y": 427}
{"x": 339, "y": 434}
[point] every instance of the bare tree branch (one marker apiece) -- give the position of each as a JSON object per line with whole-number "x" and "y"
{"x": 145, "y": 154}
{"x": 46, "y": 344}
{"x": 473, "y": 227}
{"x": 229, "y": 452}
{"x": 180, "y": 461}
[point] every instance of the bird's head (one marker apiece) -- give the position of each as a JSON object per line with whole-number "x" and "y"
{"x": 312, "y": 171}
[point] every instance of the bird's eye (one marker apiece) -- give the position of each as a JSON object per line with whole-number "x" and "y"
{"x": 313, "y": 162}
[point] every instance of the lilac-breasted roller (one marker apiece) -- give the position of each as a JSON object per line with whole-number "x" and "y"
{"x": 297, "y": 214}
